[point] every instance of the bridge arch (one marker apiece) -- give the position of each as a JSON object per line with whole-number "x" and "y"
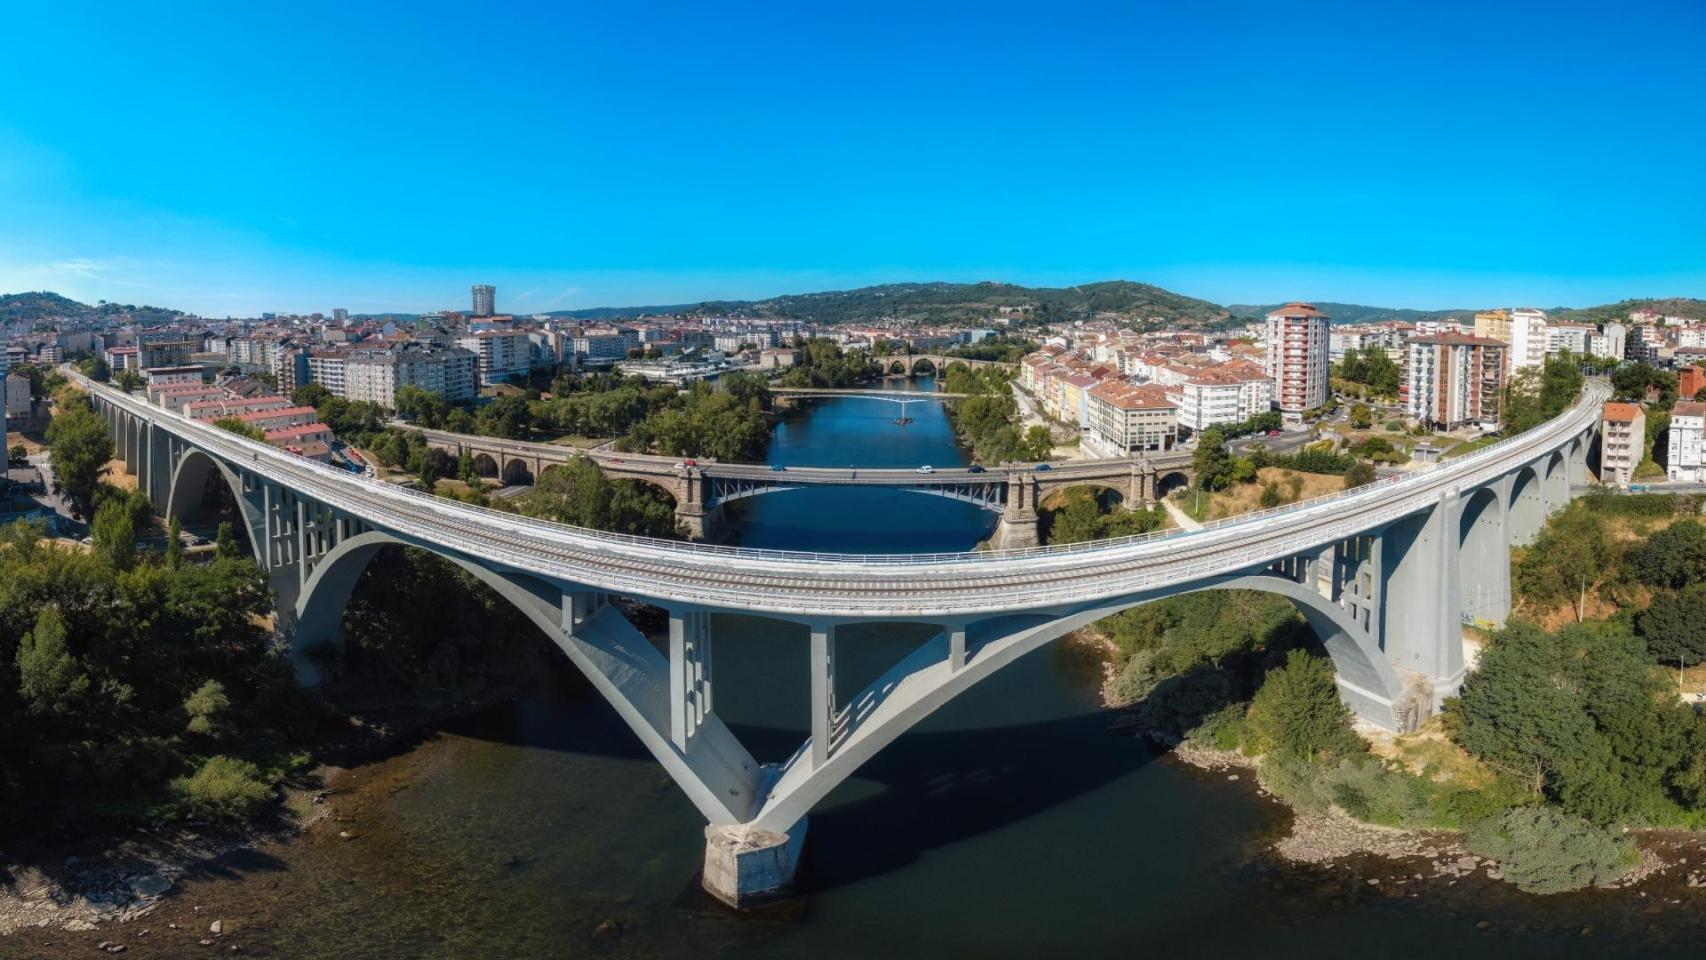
{"x": 1170, "y": 481}
{"x": 516, "y": 473}
{"x": 192, "y": 475}
{"x": 922, "y": 366}
{"x": 1364, "y": 675}
{"x": 486, "y": 466}
{"x": 898, "y": 368}
{"x": 1107, "y": 493}
{"x": 1484, "y": 556}
{"x": 1557, "y": 481}
{"x": 1527, "y": 508}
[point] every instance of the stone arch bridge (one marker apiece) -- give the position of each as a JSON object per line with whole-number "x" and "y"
{"x": 700, "y": 489}
{"x": 1386, "y": 574}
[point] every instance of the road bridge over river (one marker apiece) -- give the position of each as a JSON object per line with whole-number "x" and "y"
{"x": 1385, "y": 574}
{"x": 702, "y": 488}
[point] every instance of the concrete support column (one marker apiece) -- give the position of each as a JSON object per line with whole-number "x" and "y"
{"x": 956, "y": 645}
{"x": 689, "y": 674}
{"x": 1421, "y": 613}
{"x": 822, "y": 665}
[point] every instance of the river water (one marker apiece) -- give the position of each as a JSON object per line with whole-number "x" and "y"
{"x": 1010, "y": 824}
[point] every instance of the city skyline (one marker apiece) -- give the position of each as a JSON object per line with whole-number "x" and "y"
{"x": 1471, "y": 157}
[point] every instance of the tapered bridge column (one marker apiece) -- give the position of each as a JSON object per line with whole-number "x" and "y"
{"x": 823, "y": 690}
{"x": 689, "y": 674}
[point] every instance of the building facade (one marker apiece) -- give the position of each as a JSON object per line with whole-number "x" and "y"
{"x": 1683, "y": 456}
{"x": 1126, "y": 418}
{"x": 499, "y": 354}
{"x": 1623, "y": 439}
{"x": 1297, "y": 343}
{"x": 485, "y": 299}
{"x": 1453, "y": 380}
{"x": 1527, "y": 339}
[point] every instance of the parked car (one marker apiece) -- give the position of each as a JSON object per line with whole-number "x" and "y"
{"x": 1273, "y": 433}
{"x": 689, "y": 462}
{"x": 927, "y": 469}
{"x": 1044, "y": 466}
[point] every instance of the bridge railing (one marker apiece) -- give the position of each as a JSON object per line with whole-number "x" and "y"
{"x": 1462, "y": 468}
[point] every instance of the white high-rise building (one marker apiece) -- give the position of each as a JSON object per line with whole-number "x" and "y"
{"x": 1609, "y": 342}
{"x": 1528, "y": 338}
{"x": 485, "y": 299}
{"x": 1686, "y": 461}
{"x": 1297, "y": 358}
{"x": 502, "y": 354}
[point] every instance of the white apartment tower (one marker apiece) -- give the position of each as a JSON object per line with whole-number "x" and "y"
{"x": 1297, "y": 358}
{"x": 485, "y": 299}
{"x": 1527, "y": 339}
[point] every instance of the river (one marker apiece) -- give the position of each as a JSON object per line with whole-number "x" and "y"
{"x": 1010, "y": 824}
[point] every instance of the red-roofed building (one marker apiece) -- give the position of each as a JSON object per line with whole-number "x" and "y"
{"x": 1127, "y": 418}
{"x": 1689, "y": 381}
{"x": 1297, "y": 342}
{"x": 267, "y": 420}
{"x": 1623, "y": 441}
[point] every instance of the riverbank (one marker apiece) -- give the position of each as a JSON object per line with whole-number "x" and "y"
{"x": 1671, "y": 870}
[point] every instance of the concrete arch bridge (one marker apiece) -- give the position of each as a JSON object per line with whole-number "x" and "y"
{"x": 1386, "y": 574}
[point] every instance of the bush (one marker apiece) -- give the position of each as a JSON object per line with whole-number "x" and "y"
{"x": 1135, "y": 679}
{"x": 1222, "y": 730}
{"x": 1396, "y": 426}
{"x": 1544, "y": 850}
{"x": 1298, "y": 713}
{"x": 222, "y": 787}
{"x": 1298, "y": 782}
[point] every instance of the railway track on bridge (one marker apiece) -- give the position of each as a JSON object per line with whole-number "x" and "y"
{"x": 882, "y": 585}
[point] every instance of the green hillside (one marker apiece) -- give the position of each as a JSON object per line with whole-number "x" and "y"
{"x": 979, "y": 302}
{"x": 1357, "y": 313}
{"x": 42, "y": 305}
{"x": 1671, "y": 307}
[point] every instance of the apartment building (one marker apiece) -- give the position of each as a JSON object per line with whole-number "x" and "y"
{"x": 1229, "y": 395}
{"x": 375, "y": 375}
{"x": 1689, "y": 380}
{"x": 1574, "y": 337}
{"x": 1527, "y": 339}
{"x": 1494, "y": 325}
{"x": 1297, "y": 343}
{"x": 1452, "y": 380}
{"x": 1623, "y": 439}
{"x": 499, "y": 354}
{"x": 1684, "y": 462}
{"x": 326, "y": 368}
{"x": 1128, "y": 418}
{"x": 120, "y": 359}
{"x": 1608, "y": 342}
{"x": 266, "y": 420}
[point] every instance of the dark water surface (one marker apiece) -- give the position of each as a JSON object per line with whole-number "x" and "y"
{"x": 1010, "y": 824}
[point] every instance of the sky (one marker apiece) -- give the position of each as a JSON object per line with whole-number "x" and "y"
{"x": 235, "y": 158}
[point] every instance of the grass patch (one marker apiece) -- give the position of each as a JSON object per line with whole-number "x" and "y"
{"x": 1470, "y": 446}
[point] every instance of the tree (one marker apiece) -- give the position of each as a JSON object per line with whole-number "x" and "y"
{"x": 98, "y": 370}
{"x": 1359, "y": 474}
{"x": 466, "y": 471}
{"x": 1362, "y": 416}
{"x": 130, "y": 381}
{"x": 1297, "y": 712}
{"x": 174, "y": 544}
{"x": 226, "y": 541}
{"x": 114, "y": 532}
{"x": 49, "y": 677}
{"x": 82, "y": 447}
{"x": 1673, "y": 557}
{"x": 16, "y": 451}
{"x": 1571, "y": 553}
{"x": 206, "y": 708}
{"x": 310, "y": 395}
{"x": 1674, "y": 626}
{"x": 1543, "y": 850}
{"x": 240, "y": 428}
{"x": 423, "y": 406}
{"x": 1213, "y": 465}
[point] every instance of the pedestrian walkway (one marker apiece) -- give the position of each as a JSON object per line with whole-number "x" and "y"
{"x": 1179, "y": 516}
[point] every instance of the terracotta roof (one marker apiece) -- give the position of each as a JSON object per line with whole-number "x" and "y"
{"x": 1130, "y": 396}
{"x": 1296, "y": 309}
{"x": 1622, "y": 412}
{"x": 1688, "y": 408}
{"x": 1467, "y": 339}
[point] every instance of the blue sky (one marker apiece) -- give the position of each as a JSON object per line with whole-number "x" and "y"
{"x": 232, "y": 158}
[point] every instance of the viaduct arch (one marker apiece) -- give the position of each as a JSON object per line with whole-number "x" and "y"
{"x": 1384, "y": 574}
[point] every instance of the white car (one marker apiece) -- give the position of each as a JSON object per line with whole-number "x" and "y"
{"x": 926, "y": 469}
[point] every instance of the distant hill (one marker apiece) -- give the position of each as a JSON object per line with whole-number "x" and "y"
{"x": 617, "y": 313}
{"x": 1357, "y": 313}
{"x": 41, "y": 305}
{"x": 974, "y": 302}
{"x": 1672, "y": 307}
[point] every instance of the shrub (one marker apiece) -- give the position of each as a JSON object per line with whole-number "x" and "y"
{"x": 221, "y": 787}
{"x": 1135, "y": 679}
{"x": 1297, "y": 712}
{"x": 1544, "y": 850}
{"x": 1222, "y": 729}
{"x": 1396, "y": 426}
{"x": 1297, "y": 782}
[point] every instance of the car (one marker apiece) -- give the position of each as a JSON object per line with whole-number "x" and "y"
{"x": 688, "y": 462}
{"x": 975, "y": 468}
{"x": 777, "y": 468}
{"x": 1044, "y": 466}
{"x": 1273, "y": 433}
{"x": 613, "y": 460}
{"x": 927, "y": 469}
{"x": 200, "y": 542}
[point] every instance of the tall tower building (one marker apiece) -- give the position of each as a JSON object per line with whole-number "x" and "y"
{"x": 1297, "y": 358}
{"x": 1528, "y": 338}
{"x": 1494, "y": 325}
{"x": 340, "y": 316}
{"x": 485, "y": 299}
